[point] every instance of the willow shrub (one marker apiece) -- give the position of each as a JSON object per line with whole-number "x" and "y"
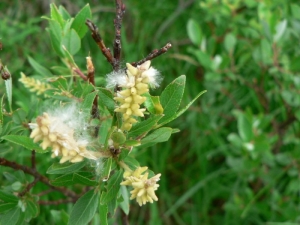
{"x": 80, "y": 134}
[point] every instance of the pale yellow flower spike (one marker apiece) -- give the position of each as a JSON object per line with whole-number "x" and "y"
{"x": 34, "y": 85}
{"x": 143, "y": 188}
{"x": 130, "y": 97}
{"x": 60, "y": 138}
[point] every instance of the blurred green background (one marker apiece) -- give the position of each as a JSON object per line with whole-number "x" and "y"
{"x": 237, "y": 158}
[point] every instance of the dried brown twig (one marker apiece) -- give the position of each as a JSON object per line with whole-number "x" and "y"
{"x": 155, "y": 53}
{"x": 97, "y": 38}
{"x": 120, "y": 10}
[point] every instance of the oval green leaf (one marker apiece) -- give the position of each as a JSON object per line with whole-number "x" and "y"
{"x": 85, "y": 208}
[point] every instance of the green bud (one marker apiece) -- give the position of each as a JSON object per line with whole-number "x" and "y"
{"x": 118, "y": 137}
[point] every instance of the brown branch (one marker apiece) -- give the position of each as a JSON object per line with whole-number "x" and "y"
{"x": 90, "y": 70}
{"x": 91, "y": 79}
{"x": 155, "y": 53}
{"x": 28, "y": 187}
{"x": 97, "y": 38}
{"x": 45, "y": 192}
{"x": 56, "y": 202}
{"x": 120, "y": 10}
{"x": 79, "y": 73}
{"x": 124, "y": 218}
{"x": 38, "y": 176}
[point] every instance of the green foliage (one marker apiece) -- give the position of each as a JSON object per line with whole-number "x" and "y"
{"x": 236, "y": 159}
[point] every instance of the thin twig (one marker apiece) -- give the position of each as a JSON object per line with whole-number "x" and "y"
{"x": 28, "y": 187}
{"x": 38, "y": 176}
{"x": 155, "y": 53}
{"x": 91, "y": 79}
{"x": 120, "y": 10}
{"x": 79, "y": 73}
{"x": 96, "y": 36}
{"x": 45, "y": 192}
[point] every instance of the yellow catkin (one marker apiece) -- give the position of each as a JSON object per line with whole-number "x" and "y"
{"x": 60, "y": 138}
{"x": 34, "y": 85}
{"x": 130, "y": 98}
{"x": 143, "y": 188}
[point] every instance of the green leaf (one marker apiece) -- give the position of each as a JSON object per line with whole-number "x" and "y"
{"x": 6, "y": 206}
{"x": 131, "y": 162}
{"x": 103, "y": 210}
{"x": 105, "y": 126}
{"x": 295, "y": 9}
{"x": 16, "y": 186}
{"x": 79, "y": 22}
{"x": 55, "y": 14}
{"x": 159, "y": 135}
{"x": 144, "y": 126}
{"x": 19, "y": 116}
{"x": 229, "y": 42}
{"x": 194, "y": 32}
{"x": 153, "y": 105}
{"x": 266, "y": 51}
{"x": 171, "y": 98}
{"x": 87, "y": 103}
{"x": 106, "y": 99}
{"x": 67, "y": 26}
{"x": 64, "y": 180}
{"x": 68, "y": 56}
{"x": 60, "y": 83}
{"x": 59, "y": 217}
{"x": 180, "y": 112}
{"x": 125, "y": 203}
{"x": 78, "y": 178}
{"x": 280, "y": 29}
{"x": 106, "y": 169}
{"x": 39, "y": 68}
{"x": 244, "y": 127}
{"x": 11, "y": 217}
{"x": 24, "y": 141}
{"x": 8, "y": 197}
{"x": 71, "y": 41}
{"x": 112, "y": 206}
{"x": 57, "y": 168}
{"x": 55, "y": 32}
{"x": 85, "y": 208}
{"x": 65, "y": 14}
{"x": 75, "y": 178}
{"x": 32, "y": 209}
{"x": 112, "y": 188}
{"x": 203, "y": 58}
